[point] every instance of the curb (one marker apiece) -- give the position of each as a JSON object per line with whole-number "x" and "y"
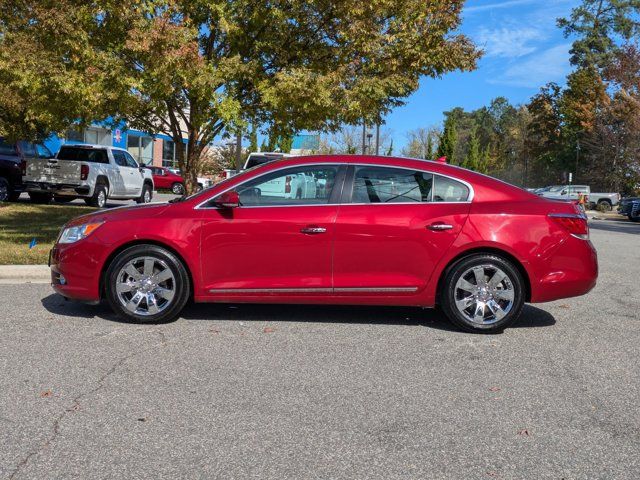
{"x": 17, "y": 274}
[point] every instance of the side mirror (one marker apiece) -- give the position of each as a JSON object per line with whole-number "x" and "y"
{"x": 230, "y": 199}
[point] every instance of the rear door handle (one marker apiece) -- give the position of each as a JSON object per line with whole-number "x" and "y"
{"x": 439, "y": 226}
{"x": 311, "y": 230}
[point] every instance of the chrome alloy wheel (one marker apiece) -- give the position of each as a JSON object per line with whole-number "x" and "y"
{"x": 484, "y": 294}
{"x": 145, "y": 286}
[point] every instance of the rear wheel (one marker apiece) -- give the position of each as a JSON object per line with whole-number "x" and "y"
{"x": 605, "y": 205}
{"x": 483, "y": 293}
{"x": 39, "y": 197}
{"x": 177, "y": 188}
{"x": 99, "y": 198}
{"x": 147, "y": 284}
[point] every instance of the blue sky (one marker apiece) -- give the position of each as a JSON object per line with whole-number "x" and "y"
{"x": 523, "y": 51}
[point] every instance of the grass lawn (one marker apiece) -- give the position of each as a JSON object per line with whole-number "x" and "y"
{"x": 21, "y": 222}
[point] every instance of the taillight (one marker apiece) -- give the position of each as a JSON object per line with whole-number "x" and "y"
{"x": 23, "y": 167}
{"x": 574, "y": 223}
{"x": 287, "y": 185}
{"x": 84, "y": 172}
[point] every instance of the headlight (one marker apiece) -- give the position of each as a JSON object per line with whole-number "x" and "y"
{"x": 78, "y": 232}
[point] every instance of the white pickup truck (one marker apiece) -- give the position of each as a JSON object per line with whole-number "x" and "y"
{"x": 571, "y": 192}
{"x": 92, "y": 172}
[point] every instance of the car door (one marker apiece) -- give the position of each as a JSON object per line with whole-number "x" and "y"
{"x": 274, "y": 243}
{"x": 394, "y": 227}
{"x": 120, "y": 174}
{"x": 135, "y": 179}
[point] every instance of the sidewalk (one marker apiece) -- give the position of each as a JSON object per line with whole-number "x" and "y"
{"x": 13, "y": 274}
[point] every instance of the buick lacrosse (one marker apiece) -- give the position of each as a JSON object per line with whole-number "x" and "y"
{"x": 358, "y": 230}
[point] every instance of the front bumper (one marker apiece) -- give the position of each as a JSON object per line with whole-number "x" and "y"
{"x": 75, "y": 270}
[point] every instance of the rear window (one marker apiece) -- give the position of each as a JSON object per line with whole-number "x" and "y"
{"x": 92, "y": 155}
{"x": 448, "y": 190}
{"x": 256, "y": 160}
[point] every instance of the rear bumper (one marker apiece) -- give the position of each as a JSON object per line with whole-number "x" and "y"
{"x": 58, "y": 188}
{"x": 571, "y": 270}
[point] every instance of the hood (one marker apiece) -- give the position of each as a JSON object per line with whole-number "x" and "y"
{"x": 130, "y": 213}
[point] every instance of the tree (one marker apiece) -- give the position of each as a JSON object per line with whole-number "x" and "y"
{"x": 448, "y": 141}
{"x": 194, "y": 68}
{"x": 420, "y": 143}
{"x": 473, "y": 159}
{"x": 597, "y": 24}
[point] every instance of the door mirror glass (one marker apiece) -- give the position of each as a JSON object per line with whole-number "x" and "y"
{"x": 230, "y": 199}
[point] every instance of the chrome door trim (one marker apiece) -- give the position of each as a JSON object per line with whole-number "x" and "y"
{"x": 375, "y": 289}
{"x": 464, "y": 182}
{"x": 317, "y": 290}
{"x": 270, "y": 290}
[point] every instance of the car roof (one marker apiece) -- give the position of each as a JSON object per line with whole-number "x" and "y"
{"x": 92, "y": 145}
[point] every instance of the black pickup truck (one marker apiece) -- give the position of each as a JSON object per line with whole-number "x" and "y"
{"x": 11, "y": 157}
{"x": 630, "y": 207}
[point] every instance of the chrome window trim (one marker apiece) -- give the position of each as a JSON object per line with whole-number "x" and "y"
{"x": 467, "y": 184}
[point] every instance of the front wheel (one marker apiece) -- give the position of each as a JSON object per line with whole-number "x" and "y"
{"x": 605, "y": 206}
{"x": 146, "y": 195}
{"x": 177, "y": 189}
{"x": 483, "y": 293}
{"x": 147, "y": 284}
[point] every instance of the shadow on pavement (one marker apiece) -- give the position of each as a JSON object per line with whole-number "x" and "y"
{"x": 618, "y": 226}
{"x": 531, "y": 316}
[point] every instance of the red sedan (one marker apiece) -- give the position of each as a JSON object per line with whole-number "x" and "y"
{"x": 334, "y": 230}
{"x": 166, "y": 179}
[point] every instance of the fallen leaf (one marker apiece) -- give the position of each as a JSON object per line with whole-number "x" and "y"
{"x": 268, "y": 330}
{"x": 214, "y": 331}
{"x": 142, "y": 419}
{"x": 495, "y": 389}
{"x": 524, "y": 432}
{"x": 564, "y": 306}
{"x": 46, "y": 393}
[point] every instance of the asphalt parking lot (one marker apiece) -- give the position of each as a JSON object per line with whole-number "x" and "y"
{"x": 237, "y": 391}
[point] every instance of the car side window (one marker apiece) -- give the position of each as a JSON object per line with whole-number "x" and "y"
{"x": 310, "y": 185}
{"x": 119, "y": 157}
{"x": 7, "y": 148}
{"x": 448, "y": 190}
{"x": 130, "y": 160}
{"x": 28, "y": 149}
{"x": 391, "y": 185}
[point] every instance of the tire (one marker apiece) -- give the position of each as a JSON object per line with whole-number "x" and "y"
{"x": 5, "y": 190}
{"x": 99, "y": 198}
{"x": 177, "y": 189}
{"x": 39, "y": 197}
{"x": 63, "y": 199}
{"x": 605, "y": 205}
{"x": 501, "y": 306}
{"x": 147, "y": 194}
{"x": 125, "y": 284}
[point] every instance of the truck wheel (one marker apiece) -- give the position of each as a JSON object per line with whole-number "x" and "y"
{"x": 39, "y": 197}
{"x": 99, "y": 198}
{"x": 177, "y": 188}
{"x": 146, "y": 195}
{"x": 605, "y": 205}
{"x": 5, "y": 190}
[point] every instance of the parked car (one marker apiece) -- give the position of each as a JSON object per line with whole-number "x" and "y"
{"x": 606, "y": 201}
{"x": 12, "y": 154}
{"x": 203, "y": 182}
{"x": 384, "y": 231}
{"x": 92, "y": 172}
{"x": 630, "y": 208}
{"x": 167, "y": 179}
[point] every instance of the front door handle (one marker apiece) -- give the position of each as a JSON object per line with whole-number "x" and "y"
{"x": 439, "y": 226}
{"x": 312, "y": 230}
